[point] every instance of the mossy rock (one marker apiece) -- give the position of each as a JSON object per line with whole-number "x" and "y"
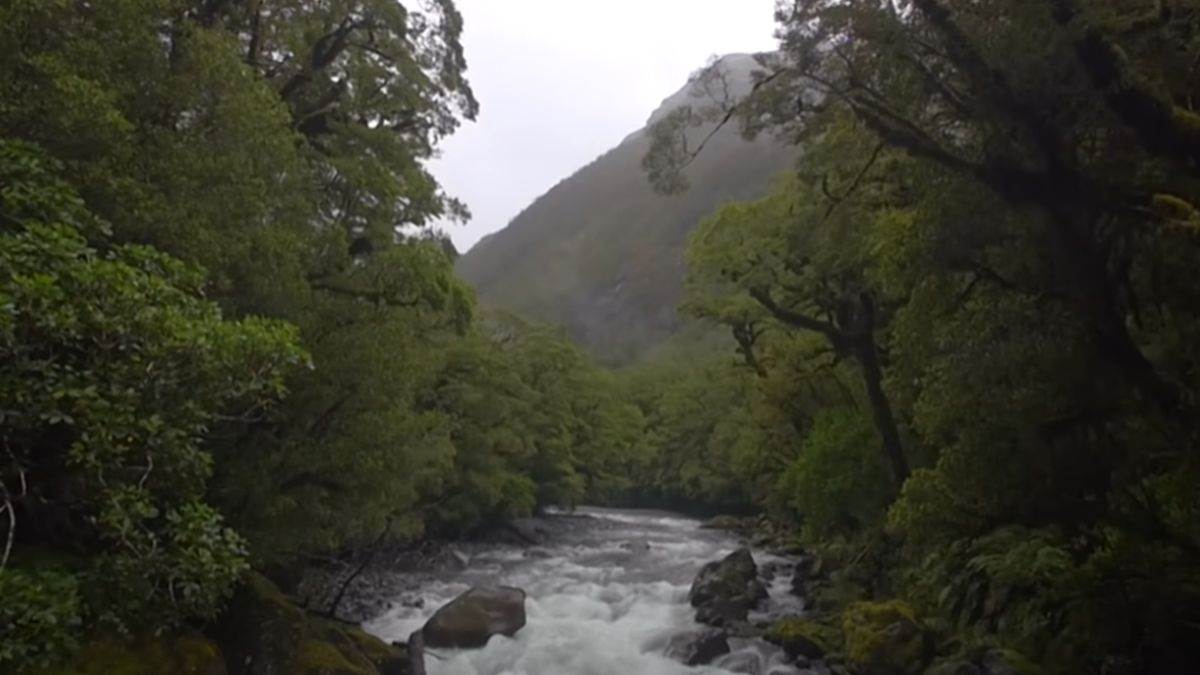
{"x": 180, "y": 655}
{"x": 263, "y": 633}
{"x": 886, "y": 638}
{"x": 726, "y": 590}
{"x": 804, "y": 637}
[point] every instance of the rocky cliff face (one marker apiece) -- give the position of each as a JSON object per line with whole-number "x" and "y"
{"x": 602, "y": 254}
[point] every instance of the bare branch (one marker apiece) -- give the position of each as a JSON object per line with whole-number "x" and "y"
{"x": 854, "y": 185}
{"x": 728, "y": 117}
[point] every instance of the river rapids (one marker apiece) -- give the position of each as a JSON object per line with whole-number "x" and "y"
{"x": 607, "y": 592}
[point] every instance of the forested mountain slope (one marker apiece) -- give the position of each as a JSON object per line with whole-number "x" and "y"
{"x": 602, "y": 254}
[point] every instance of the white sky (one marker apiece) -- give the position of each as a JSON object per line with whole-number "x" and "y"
{"x": 562, "y": 81}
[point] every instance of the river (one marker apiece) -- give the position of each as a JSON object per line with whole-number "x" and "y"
{"x": 606, "y": 594}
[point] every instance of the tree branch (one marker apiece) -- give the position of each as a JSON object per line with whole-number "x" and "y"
{"x": 1162, "y": 126}
{"x": 837, "y": 200}
{"x": 795, "y": 319}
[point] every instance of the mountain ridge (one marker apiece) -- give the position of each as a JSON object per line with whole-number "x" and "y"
{"x": 602, "y": 254}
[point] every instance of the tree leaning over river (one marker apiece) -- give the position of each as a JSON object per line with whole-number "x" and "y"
{"x": 1012, "y": 188}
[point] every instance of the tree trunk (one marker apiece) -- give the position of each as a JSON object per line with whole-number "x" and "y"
{"x": 1082, "y": 263}
{"x": 366, "y": 560}
{"x": 867, "y": 354}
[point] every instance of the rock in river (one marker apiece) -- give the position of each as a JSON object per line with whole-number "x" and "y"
{"x": 726, "y": 590}
{"x": 471, "y": 619}
{"x": 698, "y": 649}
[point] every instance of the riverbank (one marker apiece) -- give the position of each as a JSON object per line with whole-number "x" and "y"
{"x": 606, "y": 591}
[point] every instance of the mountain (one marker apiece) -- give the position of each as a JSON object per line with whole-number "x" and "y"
{"x": 602, "y": 254}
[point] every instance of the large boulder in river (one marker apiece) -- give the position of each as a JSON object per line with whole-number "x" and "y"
{"x": 471, "y": 619}
{"x": 726, "y": 590}
{"x": 700, "y": 648}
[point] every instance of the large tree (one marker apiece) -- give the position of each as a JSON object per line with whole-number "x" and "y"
{"x": 801, "y": 259}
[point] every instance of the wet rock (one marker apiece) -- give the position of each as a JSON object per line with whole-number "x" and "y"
{"x": 519, "y": 532}
{"x": 537, "y": 553}
{"x": 727, "y": 523}
{"x": 747, "y": 662}
{"x": 726, "y": 590}
{"x": 744, "y": 630}
{"x": 471, "y": 619}
{"x": 416, "y": 654}
{"x": 460, "y": 560}
{"x": 531, "y": 530}
{"x": 698, "y": 649}
{"x": 773, "y": 569}
{"x": 635, "y": 546}
{"x": 806, "y": 573}
{"x": 449, "y": 560}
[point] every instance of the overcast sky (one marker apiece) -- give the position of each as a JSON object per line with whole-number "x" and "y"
{"x": 562, "y": 81}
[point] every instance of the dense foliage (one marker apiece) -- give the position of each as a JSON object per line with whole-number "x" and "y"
{"x": 227, "y": 335}
{"x": 113, "y": 368}
{"x": 989, "y": 244}
{"x": 963, "y": 361}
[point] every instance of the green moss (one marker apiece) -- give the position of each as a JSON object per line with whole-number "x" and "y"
{"x": 375, "y": 650}
{"x": 270, "y": 631}
{"x": 263, "y": 626}
{"x": 314, "y": 657}
{"x": 183, "y": 655}
{"x": 198, "y": 655}
{"x": 793, "y": 634}
{"x": 268, "y": 593}
{"x": 1173, "y": 207}
{"x": 885, "y": 637}
{"x": 1186, "y": 121}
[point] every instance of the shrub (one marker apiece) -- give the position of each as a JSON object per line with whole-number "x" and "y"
{"x": 113, "y": 369}
{"x": 39, "y": 616}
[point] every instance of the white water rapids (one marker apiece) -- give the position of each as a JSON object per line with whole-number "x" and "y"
{"x": 605, "y": 596}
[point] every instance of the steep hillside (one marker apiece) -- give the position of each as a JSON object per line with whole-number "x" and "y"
{"x": 602, "y": 254}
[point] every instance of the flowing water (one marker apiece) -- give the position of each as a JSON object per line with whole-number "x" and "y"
{"x": 606, "y": 594}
